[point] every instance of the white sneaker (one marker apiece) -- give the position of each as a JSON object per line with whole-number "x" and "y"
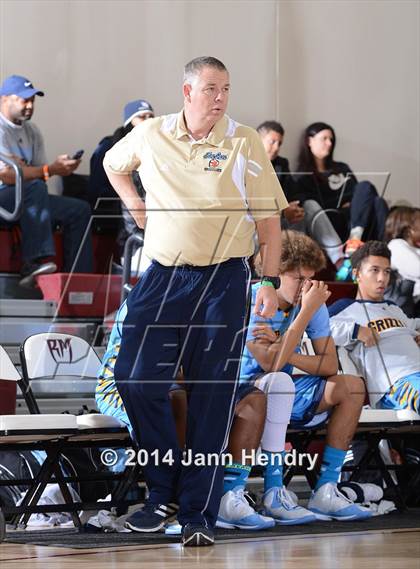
{"x": 235, "y": 512}
{"x": 282, "y": 505}
{"x": 328, "y": 503}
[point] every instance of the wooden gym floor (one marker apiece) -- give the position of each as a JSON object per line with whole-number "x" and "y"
{"x": 396, "y": 549}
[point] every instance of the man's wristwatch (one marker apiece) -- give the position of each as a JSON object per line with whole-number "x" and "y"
{"x": 271, "y": 281}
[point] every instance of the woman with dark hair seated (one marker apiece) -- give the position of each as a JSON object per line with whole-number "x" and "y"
{"x": 337, "y": 206}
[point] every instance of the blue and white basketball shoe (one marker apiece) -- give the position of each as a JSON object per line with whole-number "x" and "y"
{"x": 235, "y": 512}
{"x": 282, "y": 505}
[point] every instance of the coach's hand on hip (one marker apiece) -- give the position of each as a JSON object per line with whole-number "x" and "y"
{"x": 266, "y": 302}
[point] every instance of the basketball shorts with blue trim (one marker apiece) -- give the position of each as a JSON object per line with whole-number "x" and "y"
{"x": 109, "y": 401}
{"x": 107, "y": 398}
{"x": 309, "y": 392}
{"x": 404, "y": 394}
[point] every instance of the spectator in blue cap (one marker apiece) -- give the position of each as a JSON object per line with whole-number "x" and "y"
{"x": 135, "y": 112}
{"x": 22, "y": 141}
{"x": 20, "y": 86}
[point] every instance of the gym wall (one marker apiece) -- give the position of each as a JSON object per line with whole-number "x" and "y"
{"x": 352, "y": 64}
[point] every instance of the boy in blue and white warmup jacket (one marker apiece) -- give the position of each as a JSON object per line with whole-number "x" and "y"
{"x": 383, "y": 342}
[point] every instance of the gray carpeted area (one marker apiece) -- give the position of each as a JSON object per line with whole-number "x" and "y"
{"x": 74, "y": 539}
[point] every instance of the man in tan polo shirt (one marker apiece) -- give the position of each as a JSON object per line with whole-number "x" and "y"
{"x": 209, "y": 186}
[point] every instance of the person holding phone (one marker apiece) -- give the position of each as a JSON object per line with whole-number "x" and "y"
{"x": 23, "y": 142}
{"x": 78, "y": 155}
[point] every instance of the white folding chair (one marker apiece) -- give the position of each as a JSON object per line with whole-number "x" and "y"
{"x": 63, "y": 365}
{"x": 57, "y": 365}
{"x": 42, "y": 432}
{"x": 9, "y": 378}
{"x": 21, "y": 428}
{"x": 8, "y": 372}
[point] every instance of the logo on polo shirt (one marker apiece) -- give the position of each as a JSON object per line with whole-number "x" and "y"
{"x": 214, "y": 161}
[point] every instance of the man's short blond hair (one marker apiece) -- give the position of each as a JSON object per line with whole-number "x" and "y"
{"x": 193, "y": 67}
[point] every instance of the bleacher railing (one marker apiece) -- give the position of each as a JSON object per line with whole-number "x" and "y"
{"x": 133, "y": 241}
{"x": 14, "y": 215}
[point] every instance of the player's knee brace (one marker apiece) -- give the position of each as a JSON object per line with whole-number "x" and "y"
{"x": 280, "y": 392}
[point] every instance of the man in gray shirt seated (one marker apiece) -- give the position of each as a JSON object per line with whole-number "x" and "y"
{"x": 22, "y": 141}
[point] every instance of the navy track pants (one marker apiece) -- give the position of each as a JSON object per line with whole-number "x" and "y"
{"x": 192, "y": 317}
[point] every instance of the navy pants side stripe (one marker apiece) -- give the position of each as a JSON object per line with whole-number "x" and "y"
{"x": 212, "y": 504}
{"x": 196, "y": 328}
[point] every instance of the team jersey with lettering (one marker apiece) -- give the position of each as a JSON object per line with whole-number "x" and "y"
{"x": 396, "y": 355}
